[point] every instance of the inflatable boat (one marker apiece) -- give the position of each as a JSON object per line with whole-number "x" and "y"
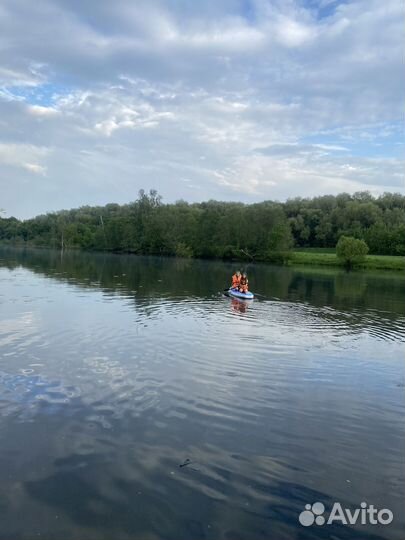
{"x": 243, "y": 296}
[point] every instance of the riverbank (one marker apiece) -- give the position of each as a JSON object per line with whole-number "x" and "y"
{"x": 305, "y": 257}
{"x": 329, "y": 258}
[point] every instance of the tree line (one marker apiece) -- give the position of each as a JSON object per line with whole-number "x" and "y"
{"x": 265, "y": 231}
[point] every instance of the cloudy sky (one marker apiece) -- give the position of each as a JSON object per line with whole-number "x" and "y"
{"x": 233, "y": 100}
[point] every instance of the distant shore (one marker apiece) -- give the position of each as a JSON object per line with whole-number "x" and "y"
{"x": 327, "y": 257}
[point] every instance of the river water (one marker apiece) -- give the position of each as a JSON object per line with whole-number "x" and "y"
{"x": 139, "y": 402}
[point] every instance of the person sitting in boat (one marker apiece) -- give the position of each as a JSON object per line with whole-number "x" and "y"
{"x": 236, "y": 280}
{"x": 243, "y": 284}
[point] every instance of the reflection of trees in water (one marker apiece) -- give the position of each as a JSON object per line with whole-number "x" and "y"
{"x": 349, "y": 290}
{"x": 349, "y": 286}
{"x": 149, "y": 278}
{"x": 118, "y": 272}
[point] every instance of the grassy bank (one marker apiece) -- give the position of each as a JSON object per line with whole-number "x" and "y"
{"x": 328, "y": 258}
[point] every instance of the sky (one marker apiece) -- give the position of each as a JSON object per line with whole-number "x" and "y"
{"x": 237, "y": 100}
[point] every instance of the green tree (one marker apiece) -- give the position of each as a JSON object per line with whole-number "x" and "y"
{"x": 351, "y": 250}
{"x": 260, "y": 231}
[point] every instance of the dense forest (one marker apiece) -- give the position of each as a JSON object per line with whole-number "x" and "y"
{"x": 262, "y": 231}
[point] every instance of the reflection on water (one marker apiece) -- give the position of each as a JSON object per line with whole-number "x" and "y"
{"x": 116, "y": 369}
{"x": 240, "y": 306}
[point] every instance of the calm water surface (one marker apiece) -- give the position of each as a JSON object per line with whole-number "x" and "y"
{"x": 114, "y": 370}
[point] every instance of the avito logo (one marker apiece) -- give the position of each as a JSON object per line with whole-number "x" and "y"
{"x": 366, "y": 514}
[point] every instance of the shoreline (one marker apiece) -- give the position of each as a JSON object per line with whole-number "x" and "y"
{"x": 302, "y": 257}
{"x": 372, "y": 262}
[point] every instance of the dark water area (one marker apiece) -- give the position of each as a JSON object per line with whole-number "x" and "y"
{"x": 139, "y": 402}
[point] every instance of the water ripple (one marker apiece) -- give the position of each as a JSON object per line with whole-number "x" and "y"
{"x": 108, "y": 384}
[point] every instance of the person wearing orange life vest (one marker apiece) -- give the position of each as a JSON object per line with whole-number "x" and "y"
{"x": 244, "y": 283}
{"x": 236, "y": 280}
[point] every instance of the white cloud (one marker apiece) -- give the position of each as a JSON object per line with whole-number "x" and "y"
{"x": 292, "y": 33}
{"x": 23, "y": 155}
{"x": 149, "y": 87}
{"x": 35, "y": 168}
{"x": 38, "y": 110}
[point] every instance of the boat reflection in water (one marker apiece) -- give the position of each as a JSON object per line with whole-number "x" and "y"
{"x": 239, "y": 305}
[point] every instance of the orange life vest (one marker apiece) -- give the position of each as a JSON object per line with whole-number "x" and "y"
{"x": 235, "y": 281}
